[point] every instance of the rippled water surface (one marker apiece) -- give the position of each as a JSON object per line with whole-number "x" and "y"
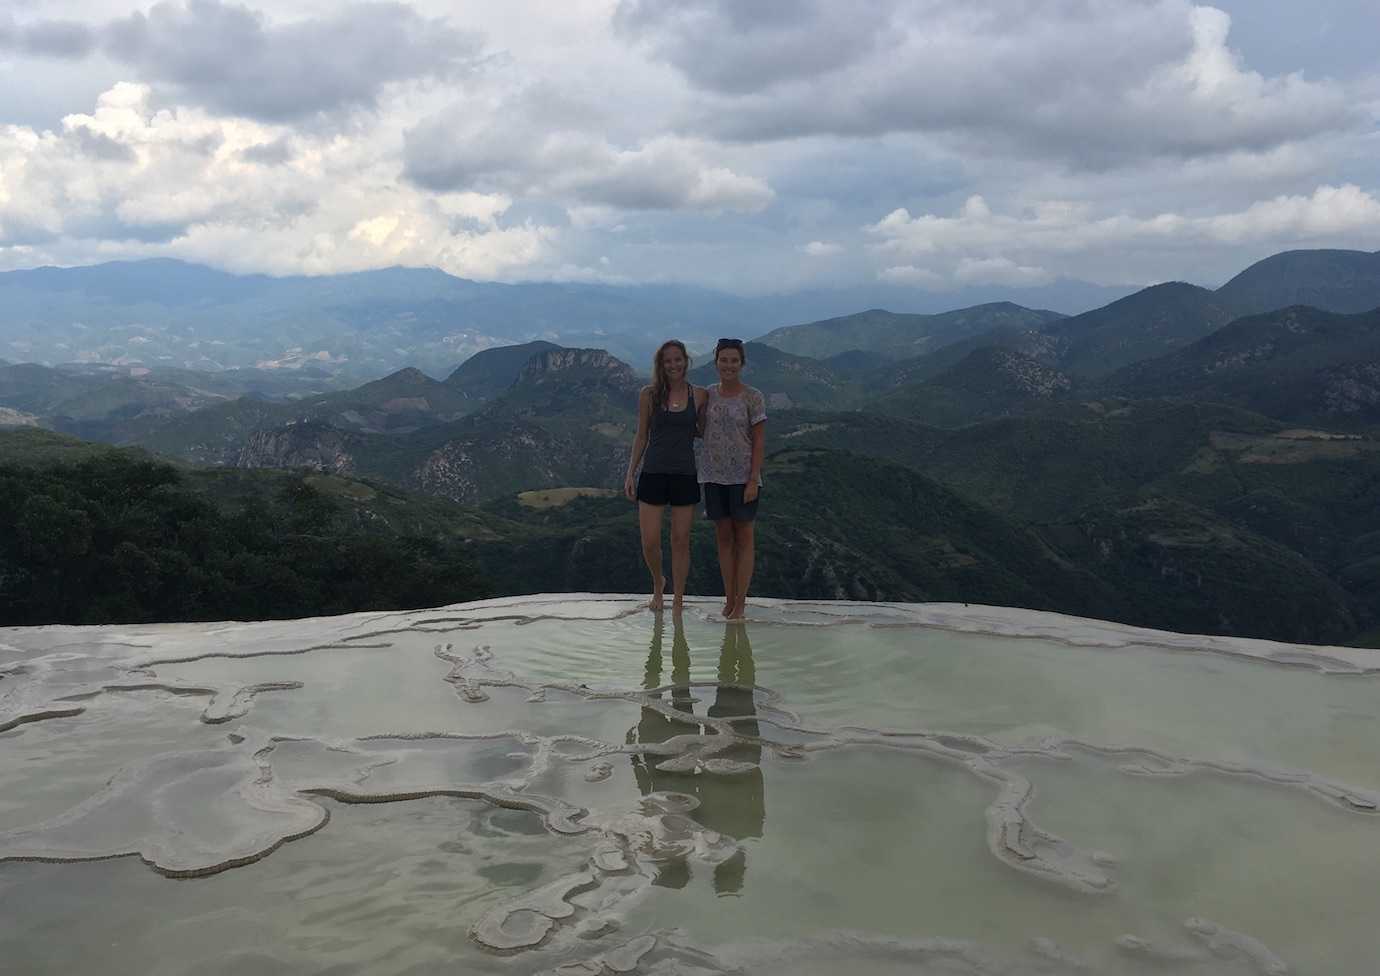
{"x": 581, "y": 787}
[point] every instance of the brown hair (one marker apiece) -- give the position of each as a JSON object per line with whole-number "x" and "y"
{"x": 731, "y": 344}
{"x": 661, "y": 389}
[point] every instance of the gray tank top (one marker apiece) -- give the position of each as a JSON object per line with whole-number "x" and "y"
{"x": 671, "y": 441}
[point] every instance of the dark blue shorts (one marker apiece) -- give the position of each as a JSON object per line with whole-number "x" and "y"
{"x": 668, "y": 489}
{"x": 726, "y": 501}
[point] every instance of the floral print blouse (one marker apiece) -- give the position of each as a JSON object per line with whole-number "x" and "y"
{"x": 726, "y": 450}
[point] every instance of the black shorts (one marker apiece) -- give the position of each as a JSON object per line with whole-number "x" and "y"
{"x": 726, "y": 501}
{"x": 668, "y": 489}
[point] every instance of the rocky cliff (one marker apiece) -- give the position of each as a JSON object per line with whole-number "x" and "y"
{"x": 312, "y": 444}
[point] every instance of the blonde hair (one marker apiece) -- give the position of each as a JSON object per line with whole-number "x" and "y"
{"x": 661, "y": 387}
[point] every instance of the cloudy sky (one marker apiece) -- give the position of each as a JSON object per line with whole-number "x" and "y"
{"x": 751, "y": 145}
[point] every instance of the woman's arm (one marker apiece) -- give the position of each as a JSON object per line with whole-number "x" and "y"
{"x": 701, "y": 402}
{"x": 644, "y": 411}
{"x": 759, "y": 449}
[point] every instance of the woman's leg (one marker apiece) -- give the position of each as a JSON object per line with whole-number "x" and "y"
{"x": 649, "y": 522}
{"x": 728, "y": 563}
{"x": 743, "y": 557}
{"x": 681, "y": 517}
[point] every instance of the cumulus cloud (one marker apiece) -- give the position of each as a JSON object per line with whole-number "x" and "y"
{"x": 978, "y": 245}
{"x": 1092, "y": 82}
{"x": 909, "y": 274}
{"x": 131, "y": 179}
{"x": 233, "y": 59}
{"x": 757, "y": 146}
{"x": 1000, "y": 271}
{"x": 517, "y": 148}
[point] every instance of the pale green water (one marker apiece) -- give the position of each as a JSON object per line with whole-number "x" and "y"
{"x": 808, "y": 843}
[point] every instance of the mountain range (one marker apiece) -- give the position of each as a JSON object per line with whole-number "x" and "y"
{"x": 1149, "y": 323}
{"x": 168, "y": 313}
{"x": 1162, "y": 459}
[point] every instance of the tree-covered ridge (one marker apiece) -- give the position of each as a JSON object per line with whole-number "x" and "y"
{"x": 1201, "y": 517}
{"x": 787, "y": 380}
{"x": 899, "y": 335}
{"x": 110, "y": 536}
{"x": 1335, "y": 280}
{"x": 1298, "y": 364}
{"x": 1178, "y": 517}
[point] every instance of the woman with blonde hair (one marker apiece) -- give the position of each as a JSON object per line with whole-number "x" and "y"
{"x": 668, "y": 411}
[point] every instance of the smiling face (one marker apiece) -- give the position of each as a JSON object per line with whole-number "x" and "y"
{"x": 729, "y": 363}
{"x": 672, "y": 363}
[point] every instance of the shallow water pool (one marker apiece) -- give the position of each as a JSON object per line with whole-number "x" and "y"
{"x": 575, "y": 785}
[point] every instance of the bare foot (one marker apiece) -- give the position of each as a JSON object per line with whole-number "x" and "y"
{"x": 656, "y": 602}
{"x": 677, "y": 605}
{"x": 728, "y": 609}
{"x": 739, "y": 612}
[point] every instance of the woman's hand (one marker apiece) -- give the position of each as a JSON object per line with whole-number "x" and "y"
{"x": 750, "y": 492}
{"x": 630, "y": 488}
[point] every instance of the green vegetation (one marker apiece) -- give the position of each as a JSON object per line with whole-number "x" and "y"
{"x": 1297, "y": 364}
{"x": 786, "y": 379}
{"x": 110, "y": 536}
{"x": 986, "y": 384}
{"x": 833, "y": 526}
{"x": 1227, "y": 486}
{"x": 489, "y": 372}
{"x": 556, "y": 497}
{"x": 1201, "y": 518}
{"x": 1152, "y": 322}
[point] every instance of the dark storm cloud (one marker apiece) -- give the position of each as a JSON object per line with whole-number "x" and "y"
{"x": 231, "y": 58}
{"x": 228, "y": 57}
{"x": 1094, "y": 83}
{"x": 732, "y": 46}
{"x": 48, "y": 39}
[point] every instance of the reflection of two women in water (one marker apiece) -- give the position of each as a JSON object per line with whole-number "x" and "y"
{"x": 731, "y": 804}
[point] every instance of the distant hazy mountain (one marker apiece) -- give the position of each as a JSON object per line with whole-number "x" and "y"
{"x": 92, "y": 405}
{"x": 1145, "y": 325}
{"x": 90, "y": 395}
{"x": 1149, "y": 323}
{"x": 1337, "y": 281}
{"x": 164, "y": 312}
{"x": 362, "y": 324}
{"x": 787, "y": 380}
{"x": 489, "y": 372}
{"x": 901, "y": 336}
{"x": 401, "y": 402}
{"x": 1299, "y": 364}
